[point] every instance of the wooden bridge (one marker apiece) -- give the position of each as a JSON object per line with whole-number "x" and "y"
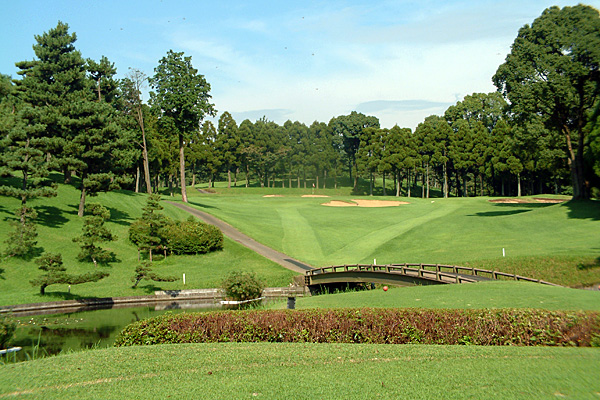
{"x": 407, "y": 274}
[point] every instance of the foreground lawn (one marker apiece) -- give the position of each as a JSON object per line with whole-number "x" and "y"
{"x": 555, "y": 242}
{"x": 58, "y": 224}
{"x": 308, "y": 371}
{"x": 468, "y": 296}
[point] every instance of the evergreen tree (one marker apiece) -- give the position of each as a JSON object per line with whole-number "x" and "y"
{"x": 145, "y": 231}
{"x": 552, "y": 72}
{"x": 55, "y": 273}
{"x": 94, "y": 232}
{"x": 144, "y": 271}
{"x": 181, "y": 101}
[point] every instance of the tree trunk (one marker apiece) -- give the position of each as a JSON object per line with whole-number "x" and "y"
{"x": 481, "y": 181}
{"x": 427, "y": 178}
{"x": 324, "y": 179}
{"x": 182, "y": 170}
{"x": 137, "y": 179}
{"x": 519, "y": 185}
{"x": 81, "y": 201}
{"x": 228, "y": 178}
{"x": 445, "y": 181}
{"x": 371, "y": 184}
{"x": 247, "y": 176}
{"x": 67, "y": 175}
{"x": 384, "y": 192}
{"x": 408, "y": 182}
{"x": 43, "y": 289}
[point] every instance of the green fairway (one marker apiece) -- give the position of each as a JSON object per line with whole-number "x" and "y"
{"x": 555, "y": 242}
{"x": 468, "y": 296}
{"x": 58, "y": 224}
{"x": 308, "y": 371}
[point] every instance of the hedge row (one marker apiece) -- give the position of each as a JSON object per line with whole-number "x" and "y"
{"x": 501, "y": 327}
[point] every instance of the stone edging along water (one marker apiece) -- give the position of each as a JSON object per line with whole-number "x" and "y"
{"x": 207, "y": 296}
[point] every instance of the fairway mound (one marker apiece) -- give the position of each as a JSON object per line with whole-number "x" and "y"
{"x": 364, "y": 203}
{"x": 527, "y": 201}
{"x": 314, "y": 195}
{"x": 273, "y": 195}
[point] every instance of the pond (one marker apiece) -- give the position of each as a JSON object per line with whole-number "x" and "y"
{"x": 50, "y": 334}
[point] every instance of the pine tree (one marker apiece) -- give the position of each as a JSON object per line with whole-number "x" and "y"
{"x": 56, "y": 273}
{"x": 94, "y": 232}
{"x": 144, "y": 271}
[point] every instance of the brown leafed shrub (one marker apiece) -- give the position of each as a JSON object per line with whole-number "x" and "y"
{"x": 498, "y": 327}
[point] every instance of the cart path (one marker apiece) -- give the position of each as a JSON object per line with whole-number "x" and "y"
{"x": 232, "y": 233}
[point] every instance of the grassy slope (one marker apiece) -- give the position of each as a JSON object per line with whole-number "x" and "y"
{"x": 58, "y": 224}
{"x": 308, "y": 371}
{"x": 471, "y": 296}
{"x": 545, "y": 241}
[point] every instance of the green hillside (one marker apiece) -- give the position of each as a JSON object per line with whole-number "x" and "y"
{"x": 58, "y": 223}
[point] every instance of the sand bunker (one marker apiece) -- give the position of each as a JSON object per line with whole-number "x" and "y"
{"x": 314, "y": 195}
{"x": 273, "y": 195}
{"x": 528, "y": 201}
{"x": 364, "y": 203}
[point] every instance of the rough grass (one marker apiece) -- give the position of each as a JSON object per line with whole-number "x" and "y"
{"x": 308, "y": 371}
{"x": 58, "y": 223}
{"x": 554, "y": 242}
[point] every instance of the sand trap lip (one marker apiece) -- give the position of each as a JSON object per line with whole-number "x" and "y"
{"x": 314, "y": 195}
{"x": 365, "y": 203}
{"x": 273, "y": 195}
{"x": 528, "y": 201}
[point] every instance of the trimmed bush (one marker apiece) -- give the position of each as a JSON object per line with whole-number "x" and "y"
{"x": 499, "y": 327}
{"x": 192, "y": 237}
{"x": 242, "y": 286}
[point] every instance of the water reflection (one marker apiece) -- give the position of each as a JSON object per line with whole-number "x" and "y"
{"x": 50, "y": 334}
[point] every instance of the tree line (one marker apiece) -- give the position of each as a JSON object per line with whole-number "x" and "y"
{"x": 539, "y": 133}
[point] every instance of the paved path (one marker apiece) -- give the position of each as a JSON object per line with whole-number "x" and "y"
{"x": 232, "y": 233}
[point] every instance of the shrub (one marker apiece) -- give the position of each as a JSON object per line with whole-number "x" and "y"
{"x": 500, "y": 327}
{"x": 242, "y": 286}
{"x": 192, "y": 237}
{"x": 7, "y": 330}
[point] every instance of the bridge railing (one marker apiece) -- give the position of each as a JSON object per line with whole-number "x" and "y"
{"x": 440, "y": 272}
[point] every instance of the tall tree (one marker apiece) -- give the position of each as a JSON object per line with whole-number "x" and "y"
{"x": 554, "y": 70}
{"x": 228, "y": 143}
{"x": 350, "y": 127}
{"x": 181, "y": 100}
{"x": 434, "y": 136}
{"x": 131, "y": 90}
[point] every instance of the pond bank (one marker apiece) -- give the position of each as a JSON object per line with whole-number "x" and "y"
{"x": 210, "y": 297}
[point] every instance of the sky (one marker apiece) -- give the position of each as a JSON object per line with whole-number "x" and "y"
{"x": 306, "y": 61}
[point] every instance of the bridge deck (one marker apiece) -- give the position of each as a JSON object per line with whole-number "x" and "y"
{"x": 407, "y": 274}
